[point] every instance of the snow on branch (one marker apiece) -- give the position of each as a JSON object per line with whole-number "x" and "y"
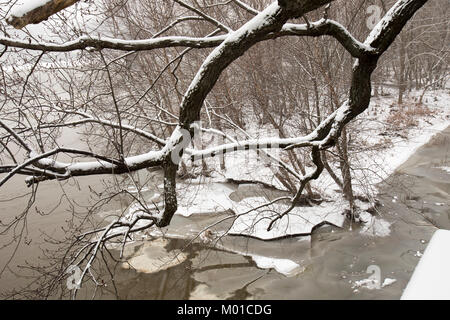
{"x": 26, "y": 12}
{"x": 319, "y": 28}
{"x": 330, "y": 28}
{"x": 85, "y": 42}
{"x": 132, "y": 163}
{"x": 246, "y": 7}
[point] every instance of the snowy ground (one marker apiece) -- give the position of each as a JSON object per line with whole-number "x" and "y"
{"x": 431, "y": 279}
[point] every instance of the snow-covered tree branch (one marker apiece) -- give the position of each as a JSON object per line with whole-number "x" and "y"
{"x": 142, "y": 87}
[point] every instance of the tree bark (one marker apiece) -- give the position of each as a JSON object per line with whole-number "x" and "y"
{"x": 170, "y": 192}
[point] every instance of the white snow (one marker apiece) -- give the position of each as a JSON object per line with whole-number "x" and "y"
{"x": 299, "y": 220}
{"x": 283, "y": 266}
{"x": 133, "y": 189}
{"x": 375, "y": 226}
{"x": 389, "y": 145}
{"x": 369, "y": 283}
{"x": 372, "y": 283}
{"x": 21, "y": 8}
{"x": 431, "y": 278}
{"x": 418, "y": 254}
{"x": 404, "y": 149}
{"x": 303, "y": 27}
{"x": 388, "y": 282}
{"x": 447, "y": 169}
{"x": 203, "y": 198}
{"x": 245, "y": 166}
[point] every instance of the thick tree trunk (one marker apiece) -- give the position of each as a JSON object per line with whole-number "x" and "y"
{"x": 170, "y": 192}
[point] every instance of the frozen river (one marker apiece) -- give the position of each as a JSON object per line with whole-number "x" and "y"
{"x": 332, "y": 264}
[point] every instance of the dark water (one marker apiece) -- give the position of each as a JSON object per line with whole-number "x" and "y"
{"x": 57, "y": 207}
{"x": 415, "y": 201}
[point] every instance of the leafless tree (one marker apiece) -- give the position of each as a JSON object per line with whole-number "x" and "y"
{"x": 146, "y": 117}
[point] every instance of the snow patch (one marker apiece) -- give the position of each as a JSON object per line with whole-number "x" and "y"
{"x": 368, "y": 283}
{"x": 431, "y": 278}
{"x": 372, "y": 283}
{"x": 300, "y": 220}
{"x": 21, "y": 8}
{"x": 283, "y": 266}
{"x": 388, "y": 282}
{"x": 447, "y": 169}
{"x": 375, "y": 226}
{"x": 204, "y": 198}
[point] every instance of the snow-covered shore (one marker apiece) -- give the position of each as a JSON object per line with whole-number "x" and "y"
{"x": 400, "y": 131}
